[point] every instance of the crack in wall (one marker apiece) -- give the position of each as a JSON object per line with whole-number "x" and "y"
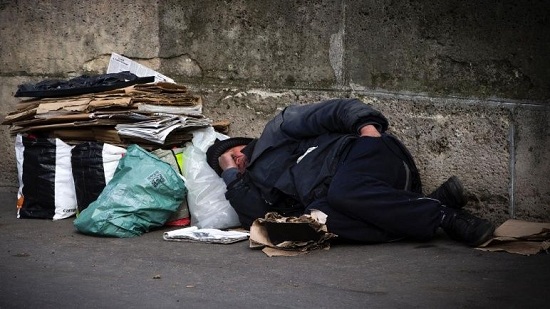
{"x": 337, "y": 49}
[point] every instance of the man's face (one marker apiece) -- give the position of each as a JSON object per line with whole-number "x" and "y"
{"x": 237, "y": 156}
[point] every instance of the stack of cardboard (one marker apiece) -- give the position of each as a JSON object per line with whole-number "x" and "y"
{"x": 152, "y": 115}
{"x": 129, "y": 105}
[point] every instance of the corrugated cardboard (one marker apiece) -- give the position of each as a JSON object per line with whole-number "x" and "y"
{"x": 290, "y": 236}
{"x": 520, "y": 237}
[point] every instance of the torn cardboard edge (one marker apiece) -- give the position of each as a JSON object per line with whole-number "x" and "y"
{"x": 519, "y": 237}
{"x": 290, "y": 236}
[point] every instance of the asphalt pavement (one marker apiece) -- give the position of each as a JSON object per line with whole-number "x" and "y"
{"x": 48, "y": 264}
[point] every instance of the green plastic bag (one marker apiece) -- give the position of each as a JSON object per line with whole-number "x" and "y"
{"x": 143, "y": 193}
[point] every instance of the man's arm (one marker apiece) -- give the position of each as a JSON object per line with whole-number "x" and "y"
{"x": 244, "y": 197}
{"x": 347, "y": 116}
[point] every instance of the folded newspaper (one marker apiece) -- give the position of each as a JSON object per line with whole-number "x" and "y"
{"x": 119, "y": 63}
{"x": 194, "y": 234}
{"x": 157, "y": 130}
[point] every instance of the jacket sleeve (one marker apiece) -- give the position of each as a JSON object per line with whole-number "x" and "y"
{"x": 246, "y": 199}
{"x": 333, "y": 116}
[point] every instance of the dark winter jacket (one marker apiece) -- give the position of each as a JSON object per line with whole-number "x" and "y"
{"x": 299, "y": 151}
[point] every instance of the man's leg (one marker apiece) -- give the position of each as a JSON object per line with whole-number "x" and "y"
{"x": 348, "y": 228}
{"x": 367, "y": 188}
{"x": 398, "y": 212}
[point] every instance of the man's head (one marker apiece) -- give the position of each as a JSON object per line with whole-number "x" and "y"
{"x": 220, "y": 147}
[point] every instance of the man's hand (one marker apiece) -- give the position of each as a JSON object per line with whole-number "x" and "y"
{"x": 226, "y": 160}
{"x": 370, "y": 130}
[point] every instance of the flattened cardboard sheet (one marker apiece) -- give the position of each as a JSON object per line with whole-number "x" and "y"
{"x": 519, "y": 237}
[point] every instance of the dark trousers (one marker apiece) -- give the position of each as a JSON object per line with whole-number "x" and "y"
{"x": 367, "y": 200}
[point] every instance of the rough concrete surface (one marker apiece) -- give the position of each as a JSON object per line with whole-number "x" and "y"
{"x": 48, "y": 264}
{"x": 488, "y": 49}
{"x": 532, "y": 167}
{"x": 64, "y": 37}
{"x": 479, "y": 48}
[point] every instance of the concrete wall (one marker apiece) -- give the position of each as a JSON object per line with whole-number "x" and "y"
{"x": 465, "y": 85}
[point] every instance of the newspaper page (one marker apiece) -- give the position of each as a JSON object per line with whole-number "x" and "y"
{"x": 157, "y": 130}
{"x": 119, "y": 63}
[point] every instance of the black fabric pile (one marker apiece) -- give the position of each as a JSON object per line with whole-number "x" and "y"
{"x": 81, "y": 85}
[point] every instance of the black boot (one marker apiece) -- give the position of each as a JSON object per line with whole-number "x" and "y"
{"x": 466, "y": 228}
{"x": 450, "y": 193}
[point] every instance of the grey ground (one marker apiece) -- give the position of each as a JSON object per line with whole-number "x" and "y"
{"x": 48, "y": 264}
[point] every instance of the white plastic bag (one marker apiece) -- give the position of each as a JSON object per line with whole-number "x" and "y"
{"x": 46, "y": 184}
{"x": 206, "y": 190}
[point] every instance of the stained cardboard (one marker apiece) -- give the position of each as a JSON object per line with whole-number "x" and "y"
{"x": 519, "y": 237}
{"x": 290, "y": 236}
